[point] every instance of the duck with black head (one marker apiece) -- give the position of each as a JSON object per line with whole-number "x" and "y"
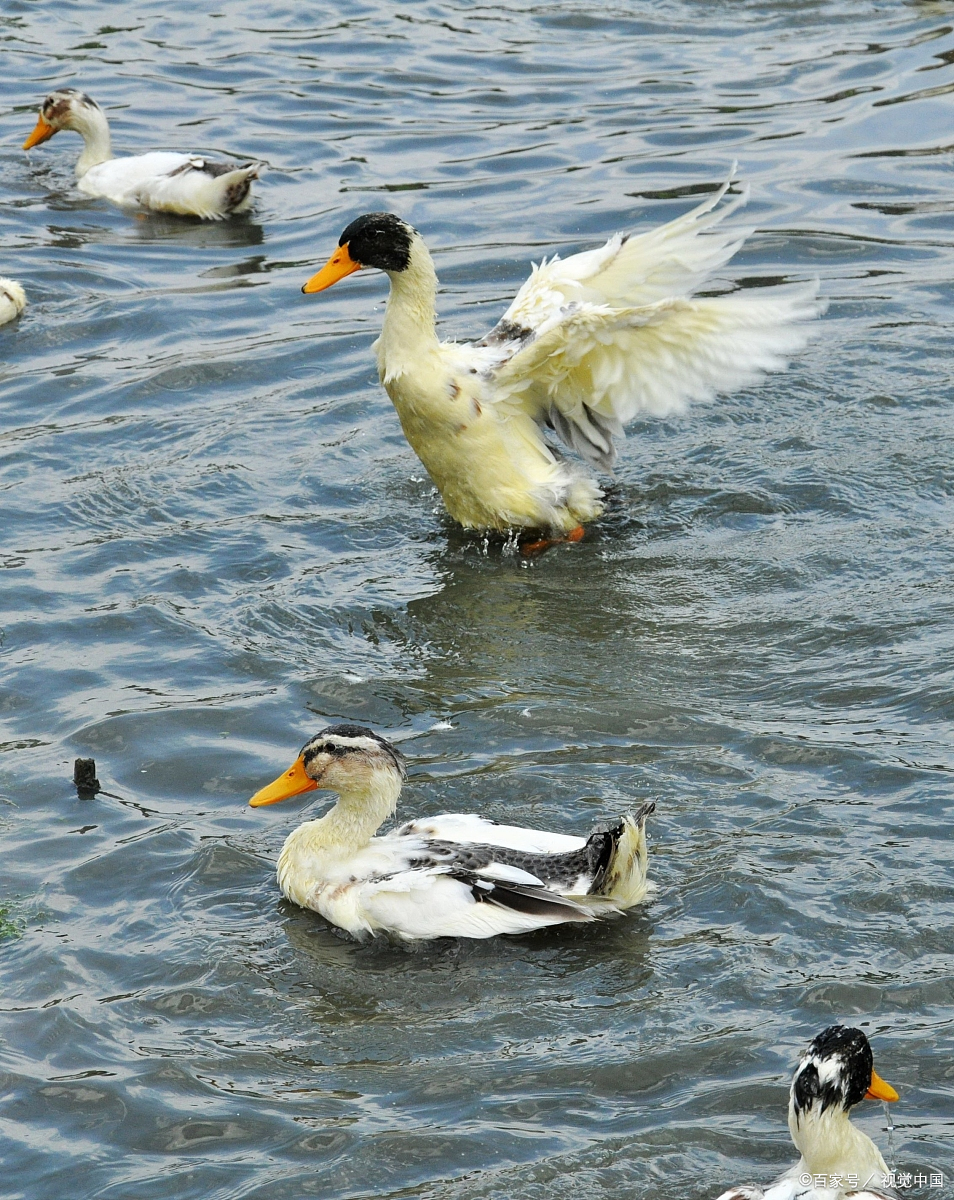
{"x": 589, "y": 343}
{"x": 834, "y": 1074}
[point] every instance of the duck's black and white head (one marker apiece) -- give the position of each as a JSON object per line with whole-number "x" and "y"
{"x": 342, "y": 758}
{"x": 380, "y": 240}
{"x": 835, "y": 1073}
{"x": 66, "y": 108}
{"x": 347, "y": 750}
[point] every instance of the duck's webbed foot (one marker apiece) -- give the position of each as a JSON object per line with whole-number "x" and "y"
{"x": 539, "y": 545}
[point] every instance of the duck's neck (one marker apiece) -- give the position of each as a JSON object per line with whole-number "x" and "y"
{"x": 408, "y": 334}
{"x": 831, "y": 1145}
{"x": 93, "y": 128}
{"x": 353, "y": 821}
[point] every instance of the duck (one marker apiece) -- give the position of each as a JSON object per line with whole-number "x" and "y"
{"x": 454, "y": 875}
{"x": 12, "y": 300}
{"x": 163, "y": 181}
{"x": 834, "y": 1074}
{"x": 589, "y": 342}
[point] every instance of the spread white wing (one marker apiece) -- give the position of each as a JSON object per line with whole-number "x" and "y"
{"x": 460, "y": 875}
{"x": 593, "y": 340}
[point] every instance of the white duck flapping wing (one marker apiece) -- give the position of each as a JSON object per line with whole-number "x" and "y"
{"x": 593, "y": 340}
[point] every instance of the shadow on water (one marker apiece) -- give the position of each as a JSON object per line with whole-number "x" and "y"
{"x": 610, "y": 959}
{"x": 188, "y": 233}
{"x": 215, "y": 539}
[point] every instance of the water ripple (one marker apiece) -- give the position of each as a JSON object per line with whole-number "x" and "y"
{"x": 215, "y": 539}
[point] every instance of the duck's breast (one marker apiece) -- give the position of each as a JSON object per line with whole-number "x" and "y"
{"x": 490, "y": 464}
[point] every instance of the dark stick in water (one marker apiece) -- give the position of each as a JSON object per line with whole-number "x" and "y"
{"x": 84, "y": 777}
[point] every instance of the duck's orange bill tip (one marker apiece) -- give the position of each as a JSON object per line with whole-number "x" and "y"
{"x": 43, "y": 131}
{"x": 292, "y": 782}
{"x": 337, "y": 267}
{"x": 879, "y": 1090}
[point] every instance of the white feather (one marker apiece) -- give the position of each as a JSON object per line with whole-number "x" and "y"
{"x": 12, "y": 300}
{"x": 469, "y": 828}
{"x": 415, "y": 906}
{"x": 505, "y": 873}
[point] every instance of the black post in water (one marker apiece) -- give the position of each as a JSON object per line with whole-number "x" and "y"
{"x": 84, "y": 776}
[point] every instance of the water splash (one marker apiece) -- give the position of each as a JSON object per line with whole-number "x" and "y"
{"x": 889, "y": 1150}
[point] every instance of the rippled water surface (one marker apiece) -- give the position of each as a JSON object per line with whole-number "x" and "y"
{"x": 215, "y": 539}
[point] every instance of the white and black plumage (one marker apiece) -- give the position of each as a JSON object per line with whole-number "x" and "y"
{"x": 453, "y": 875}
{"x": 589, "y": 343}
{"x": 162, "y": 181}
{"x": 837, "y": 1159}
{"x": 12, "y": 300}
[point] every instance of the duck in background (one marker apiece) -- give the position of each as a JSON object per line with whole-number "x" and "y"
{"x": 837, "y": 1159}
{"x": 589, "y": 343}
{"x": 453, "y": 875}
{"x": 12, "y": 300}
{"x": 185, "y": 184}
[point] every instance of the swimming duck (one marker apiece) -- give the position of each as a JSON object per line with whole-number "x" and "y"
{"x": 837, "y": 1159}
{"x": 186, "y": 184}
{"x": 454, "y": 875}
{"x": 589, "y": 342}
{"x": 12, "y": 300}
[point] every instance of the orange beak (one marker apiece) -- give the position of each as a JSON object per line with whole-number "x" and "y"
{"x": 337, "y": 267}
{"x": 878, "y": 1089}
{"x": 42, "y": 133}
{"x": 292, "y": 783}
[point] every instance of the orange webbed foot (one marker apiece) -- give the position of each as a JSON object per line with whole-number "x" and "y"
{"x": 532, "y": 549}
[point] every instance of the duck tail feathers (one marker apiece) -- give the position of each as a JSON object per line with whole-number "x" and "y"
{"x": 200, "y": 187}
{"x": 621, "y": 876}
{"x": 234, "y": 187}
